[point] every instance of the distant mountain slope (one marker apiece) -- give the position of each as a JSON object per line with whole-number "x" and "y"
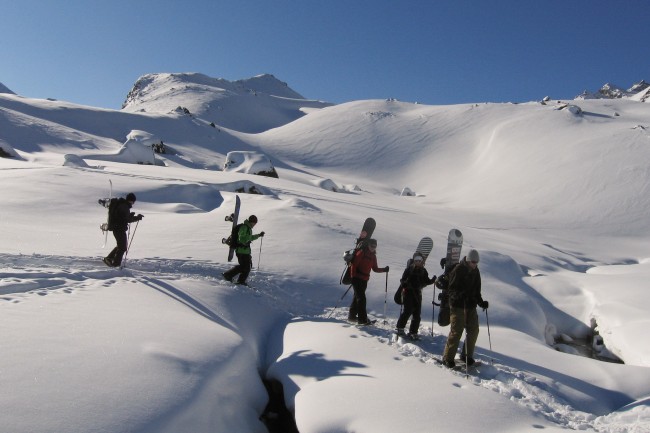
{"x": 251, "y": 105}
{"x": 4, "y": 89}
{"x": 566, "y": 162}
{"x": 638, "y": 91}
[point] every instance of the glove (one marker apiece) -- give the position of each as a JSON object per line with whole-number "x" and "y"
{"x": 433, "y": 279}
{"x": 483, "y": 304}
{"x": 262, "y": 234}
{"x": 443, "y": 262}
{"x": 386, "y": 269}
{"x": 139, "y": 217}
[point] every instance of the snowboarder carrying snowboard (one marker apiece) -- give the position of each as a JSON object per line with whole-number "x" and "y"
{"x": 464, "y": 297}
{"x": 365, "y": 259}
{"x": 120, "y": 219}
{"x": 244, "y": 238}
{"x": 414, "y": 279}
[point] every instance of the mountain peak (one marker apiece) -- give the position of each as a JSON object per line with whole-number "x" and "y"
{"x": 612, "y": 91}
{"x": 249, "y": 105}
{"x": 4, "y": 89}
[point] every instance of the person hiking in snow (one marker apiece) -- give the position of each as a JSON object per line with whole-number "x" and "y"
{"x": 365, "y": 259}
{"x": 244, "y": 238}
{"x": 414, "y": 279}
{"x": 120, "y": 221}
{"x": 464, "y": 297}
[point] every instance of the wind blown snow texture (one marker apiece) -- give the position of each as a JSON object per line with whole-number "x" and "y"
{"x": 555, "y": 200}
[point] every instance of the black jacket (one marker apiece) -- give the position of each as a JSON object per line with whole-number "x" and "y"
{"x": 414, "y": 279}
{"x": 465, "y": 286}
{"x": 123, "y": 216}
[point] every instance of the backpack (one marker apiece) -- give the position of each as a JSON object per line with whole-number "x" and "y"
{"x": 348, "y": 256}
{"x": 112, "y": 212}
{"x": 233, "y": 239}
{"x": 397, "y": 297}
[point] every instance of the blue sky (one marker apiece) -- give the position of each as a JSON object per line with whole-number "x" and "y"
{"x": 431, "y": 51}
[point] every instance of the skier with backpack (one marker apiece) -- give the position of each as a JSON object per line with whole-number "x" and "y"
{"x": 365, "y": 260}
{"x": 414, "y": 279}
{"x": 119, "y": 218}
{"x": 243, "y": 251}
{"x": 464, "y": 297}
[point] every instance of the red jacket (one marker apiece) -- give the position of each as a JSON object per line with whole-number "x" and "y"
{"x": 364, "y": 260}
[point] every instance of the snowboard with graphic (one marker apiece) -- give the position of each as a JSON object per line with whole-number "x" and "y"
{"x": 231, "y": 241}
{"x": 454, "y": 247}
{"x": 367, "y": 230}
{"x": 424, "y": 249}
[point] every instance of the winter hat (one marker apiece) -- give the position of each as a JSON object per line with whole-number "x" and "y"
{"x": 252, "y": 219}
{"x": 372, "y": 242}
{"x": 130, "y": 197}
{"x": 418, "y": 257}
{"x": 472, "y": 256}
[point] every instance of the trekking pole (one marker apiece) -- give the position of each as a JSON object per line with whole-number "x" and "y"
{"x": 128, "y": 247}
{"x": 487, "y": 321}
{"x": 433, "y": 312}
{"x": 339, "y": 301}
{"x": 259, "y": 257}
{"x": 385, "y": 298}
{"x": 465, "y": 346}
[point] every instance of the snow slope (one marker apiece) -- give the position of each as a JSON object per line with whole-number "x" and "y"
{"x": 554, "y": 201}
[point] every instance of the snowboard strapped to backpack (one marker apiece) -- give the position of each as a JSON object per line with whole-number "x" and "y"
{"x": 361, "y": 242}
{"x": 442, "y": 282}
{"x": 111, "y": 204}
{"x": 233, "y": 239}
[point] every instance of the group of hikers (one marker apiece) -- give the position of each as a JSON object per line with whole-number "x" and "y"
{"x": 464, "y": 289}
{"x": 120, "y": 216}
{"x": 464, "y": 281}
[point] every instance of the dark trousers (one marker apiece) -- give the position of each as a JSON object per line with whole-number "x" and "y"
{"x": 116, "y": 255}
{"x": 412, "y": 305}
{"x": 243, "y": 268}
{"x": 358, "y": 306}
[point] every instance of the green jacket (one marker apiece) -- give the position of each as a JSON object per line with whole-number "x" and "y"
{"x": 245, "y": 236}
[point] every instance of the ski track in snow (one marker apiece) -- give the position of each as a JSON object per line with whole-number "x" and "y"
{"x": 23, "y": 276}
{"x": 518, "y": 386}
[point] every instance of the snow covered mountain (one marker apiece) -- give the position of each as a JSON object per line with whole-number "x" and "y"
{"x": 251, "y": 105}
{"x": 4, "y": 89}
{"x": 638, "y": 91}
{"x": 553, "y": 194}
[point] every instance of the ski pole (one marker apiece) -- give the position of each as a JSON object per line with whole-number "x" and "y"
{"x": 465, "y": 345}
{"x": 128, "y": 247}
{"x": 339, "y": 301}
{"x": 433, "y": 312}
{"x": 385, "y": 298}
{"x": 487, "y": 321}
